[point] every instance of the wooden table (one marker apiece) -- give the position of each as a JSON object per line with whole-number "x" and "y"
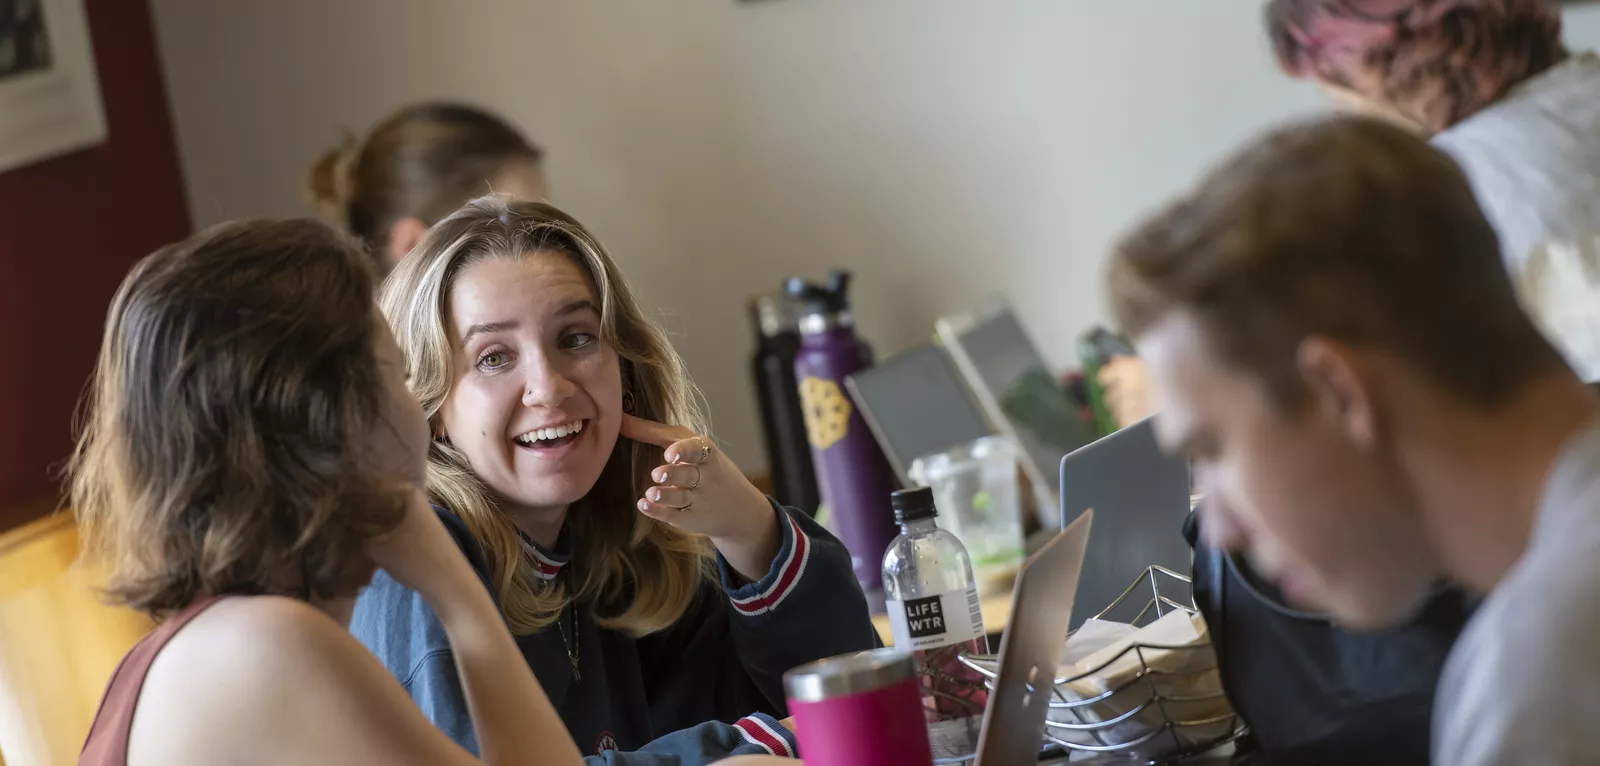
{"x": 996, "y": 613}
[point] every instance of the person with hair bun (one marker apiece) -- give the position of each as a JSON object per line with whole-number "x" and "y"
{"x": 1490, "y": 83}
{"x": 415, "y": 167}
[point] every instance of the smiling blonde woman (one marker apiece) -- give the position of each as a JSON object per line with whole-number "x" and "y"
{"x": 655, "y": 592}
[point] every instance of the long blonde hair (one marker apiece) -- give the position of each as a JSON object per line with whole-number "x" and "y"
{"x": 644, "y": 573}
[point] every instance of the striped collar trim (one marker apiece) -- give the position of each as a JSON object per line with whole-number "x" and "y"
{"x": 546, "y": 565}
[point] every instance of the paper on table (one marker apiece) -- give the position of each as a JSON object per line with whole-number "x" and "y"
{"x": 1092, "y": 636}
{"x": 1185, "y": 680}
{"x": 1175, "y": 628}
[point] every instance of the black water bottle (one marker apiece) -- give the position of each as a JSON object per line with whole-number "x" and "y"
{"x": 794, "y": 480}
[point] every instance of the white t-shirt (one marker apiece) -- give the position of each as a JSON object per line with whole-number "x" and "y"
{"x": 1522, "y": 685}
{"x": 1533, "y": 159}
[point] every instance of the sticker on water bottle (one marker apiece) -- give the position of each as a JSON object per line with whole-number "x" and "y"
{"x": 827, "y": 412}
{"x": 934, "y": 621}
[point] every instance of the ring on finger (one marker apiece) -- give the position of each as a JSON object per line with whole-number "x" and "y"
{"x": 705, "y": 451}
{"x": 698, "y": 475}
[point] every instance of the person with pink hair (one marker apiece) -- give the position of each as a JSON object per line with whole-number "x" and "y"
{"x": 1491, "y": 84}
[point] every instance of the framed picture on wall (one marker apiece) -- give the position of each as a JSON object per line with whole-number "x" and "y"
{"x": 49, "y": 94}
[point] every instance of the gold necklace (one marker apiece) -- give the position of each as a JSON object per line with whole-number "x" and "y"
{"x": 572, "y": 648}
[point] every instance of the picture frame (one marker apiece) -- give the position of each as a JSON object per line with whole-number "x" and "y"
{"x": 50, "y": 101}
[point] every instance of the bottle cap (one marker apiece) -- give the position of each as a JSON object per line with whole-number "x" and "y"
{"x": 913, "y": 504}
{"x": 828, "y": 298}
{"x": 774, "y": 314}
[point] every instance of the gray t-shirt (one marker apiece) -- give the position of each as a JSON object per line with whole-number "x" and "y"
{"x": 1533, "y": 159}
{"x": 1522, "y": 685}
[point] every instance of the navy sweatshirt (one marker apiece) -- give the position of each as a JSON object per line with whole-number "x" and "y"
{"x": 708, "y": 687}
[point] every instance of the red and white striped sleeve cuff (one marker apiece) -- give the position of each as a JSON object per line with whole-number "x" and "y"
{"x": 765, "y": 732}
{"x": 787, "y": 569}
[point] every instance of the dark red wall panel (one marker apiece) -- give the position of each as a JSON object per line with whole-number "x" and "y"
{"x": 69, "y": 229}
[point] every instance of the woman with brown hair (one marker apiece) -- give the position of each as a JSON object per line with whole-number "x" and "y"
{"x": 417, "y": 166}
{"x": 650, "y": 587}
{"x": 1491, "y": 84}
{"x": 250, "y": 456}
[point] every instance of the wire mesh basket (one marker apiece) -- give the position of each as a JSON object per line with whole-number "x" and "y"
{"x": 1150, "y": 703}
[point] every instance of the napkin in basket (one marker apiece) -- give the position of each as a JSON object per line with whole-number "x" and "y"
{"x": 1109, "y": 658}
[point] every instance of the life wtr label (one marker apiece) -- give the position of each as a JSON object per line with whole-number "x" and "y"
{"x": 934, "y": 621}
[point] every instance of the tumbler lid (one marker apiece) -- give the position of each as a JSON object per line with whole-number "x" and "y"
{"x": 848, "y": 674}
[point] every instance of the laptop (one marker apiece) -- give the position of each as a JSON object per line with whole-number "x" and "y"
{"x": 1140, "y": 496}
{"x": 1031, "y": 648}
{"x": 916, "y": 406}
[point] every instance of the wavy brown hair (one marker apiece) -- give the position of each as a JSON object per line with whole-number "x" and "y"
{"x": 1437, "y": 61}
{"x": 644, "y": 572}
{"x": 218, "y": 452}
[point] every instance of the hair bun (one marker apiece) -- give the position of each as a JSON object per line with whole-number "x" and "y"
{"x": 330, "y": 180}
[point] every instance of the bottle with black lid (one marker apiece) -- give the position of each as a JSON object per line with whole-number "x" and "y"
{"x": 934, "y": 614}
{"x": 794, "y": 481}
{"x": 854, "y": 477}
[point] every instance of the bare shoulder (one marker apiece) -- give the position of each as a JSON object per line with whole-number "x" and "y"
{"x": 269, "y": 627}
{"x": 240, "y": 674}
{"x": 263, "y": 638}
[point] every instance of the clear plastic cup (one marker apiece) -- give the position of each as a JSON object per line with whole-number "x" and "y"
{"x": 975, "y": 487}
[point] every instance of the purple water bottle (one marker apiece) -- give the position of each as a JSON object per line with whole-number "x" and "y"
{"x": 853, "y": 475}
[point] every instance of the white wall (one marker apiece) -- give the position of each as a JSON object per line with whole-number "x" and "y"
{"x": 945, "y": 150}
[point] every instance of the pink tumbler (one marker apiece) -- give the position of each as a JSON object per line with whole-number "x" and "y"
{"x": 861, "y": 709}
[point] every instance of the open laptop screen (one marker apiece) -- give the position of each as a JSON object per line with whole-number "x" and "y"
{"x": 1140, "y": 498}
{"x": 1015, "y": 386}
{"x": 916, "y": 406}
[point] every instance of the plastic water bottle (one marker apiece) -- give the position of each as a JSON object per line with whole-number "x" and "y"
{"x": 934, "y": 614}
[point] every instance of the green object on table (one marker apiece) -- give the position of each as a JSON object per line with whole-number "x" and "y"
{"x": 1095, "y": 348}
{"x": 1036, "y": 402}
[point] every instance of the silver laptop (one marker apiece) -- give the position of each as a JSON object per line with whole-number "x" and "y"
{"x": 1140, "y": 496}
{"x": 1030, "y": 649}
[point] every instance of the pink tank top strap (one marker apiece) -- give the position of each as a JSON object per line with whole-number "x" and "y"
{"x": 107, "y": 743}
